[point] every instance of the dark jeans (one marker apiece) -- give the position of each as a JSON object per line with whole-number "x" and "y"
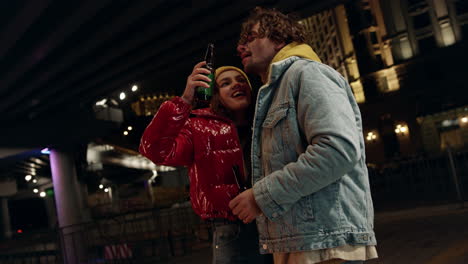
{"x": 236, "y": 242}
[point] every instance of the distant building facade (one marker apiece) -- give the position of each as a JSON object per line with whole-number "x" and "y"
{"x": 405, "y": 61}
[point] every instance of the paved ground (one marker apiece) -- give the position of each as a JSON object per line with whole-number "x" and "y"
{"x": 434, "y": 235}
{"x": 425, "y": 235}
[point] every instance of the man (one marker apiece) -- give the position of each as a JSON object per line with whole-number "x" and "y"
{"x": 310, "y": 196}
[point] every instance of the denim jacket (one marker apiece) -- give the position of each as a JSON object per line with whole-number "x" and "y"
{"x": 308, "y": 161}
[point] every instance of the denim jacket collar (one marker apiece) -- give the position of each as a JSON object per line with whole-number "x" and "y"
{"x": 278, "y": 68}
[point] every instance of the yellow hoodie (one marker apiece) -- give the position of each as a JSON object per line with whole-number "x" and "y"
{"x": 296, "y": 49}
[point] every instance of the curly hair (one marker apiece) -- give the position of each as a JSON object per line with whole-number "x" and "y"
{"x": 274, "y": 25}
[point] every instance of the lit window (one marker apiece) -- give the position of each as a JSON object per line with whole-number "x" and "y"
{"x": 358, "y": 91}
{"x": 447, "y": 34}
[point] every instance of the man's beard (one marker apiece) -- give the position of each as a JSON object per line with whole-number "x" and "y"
{"x": 254, "y": 68}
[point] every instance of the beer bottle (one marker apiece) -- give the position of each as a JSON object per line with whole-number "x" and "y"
{"x": 203, "y": 94}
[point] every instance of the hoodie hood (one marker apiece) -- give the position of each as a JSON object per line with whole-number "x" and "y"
{"x": 296, "y": 49}
{"x": 292, "y": 52}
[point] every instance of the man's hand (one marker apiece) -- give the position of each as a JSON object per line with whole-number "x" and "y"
{"x": 245, "y": 206}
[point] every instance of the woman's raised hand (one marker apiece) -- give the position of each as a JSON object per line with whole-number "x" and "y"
{"x": 197, "y": 78}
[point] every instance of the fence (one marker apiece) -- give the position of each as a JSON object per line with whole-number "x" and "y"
{"x": 140, "y": 237}
{"x": 40, "y": 247}
{"x": 420, "y": 181}
{"x": 135, "y": 238}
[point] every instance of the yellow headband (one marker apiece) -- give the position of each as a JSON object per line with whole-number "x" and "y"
{"x": 229, "y": 68}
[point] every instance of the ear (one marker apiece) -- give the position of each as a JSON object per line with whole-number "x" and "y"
{"x": 279, "y": 46}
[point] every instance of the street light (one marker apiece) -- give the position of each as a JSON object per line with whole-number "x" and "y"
{"x": 371, "y": 136}
{"x": 401, "y": 129}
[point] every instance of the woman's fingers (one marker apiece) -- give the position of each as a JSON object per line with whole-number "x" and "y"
{"x": 203, "y": 71}
{"x": 200, "y": 83}
{"x": 200, "y": 64}
{"x": 200, "y": 77}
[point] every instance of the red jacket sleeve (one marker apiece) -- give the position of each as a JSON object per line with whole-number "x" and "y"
{"x": 168, "y": 140}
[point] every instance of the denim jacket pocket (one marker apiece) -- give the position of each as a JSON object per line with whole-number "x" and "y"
{"x": 275, "y": 130}
{"x": 275, "y": 115}
{"x": 304, "y": 212}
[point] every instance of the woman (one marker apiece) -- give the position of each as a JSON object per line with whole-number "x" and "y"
{"x": 210, "y": 143}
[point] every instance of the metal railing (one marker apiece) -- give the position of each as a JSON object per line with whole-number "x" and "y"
{"x": 135, "y": 238}
{"x": 37, "y": 247}
{"x": 420, "y": 181}
{"x": 140, "y": 237}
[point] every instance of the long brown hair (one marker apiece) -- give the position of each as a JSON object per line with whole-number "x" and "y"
{"x": 215, "y": 104}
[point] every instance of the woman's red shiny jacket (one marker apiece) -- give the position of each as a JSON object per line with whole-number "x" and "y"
{"x": 207, "y": 144}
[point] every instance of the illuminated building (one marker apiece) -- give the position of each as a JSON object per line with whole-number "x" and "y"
{"x": 404, "y": 61}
